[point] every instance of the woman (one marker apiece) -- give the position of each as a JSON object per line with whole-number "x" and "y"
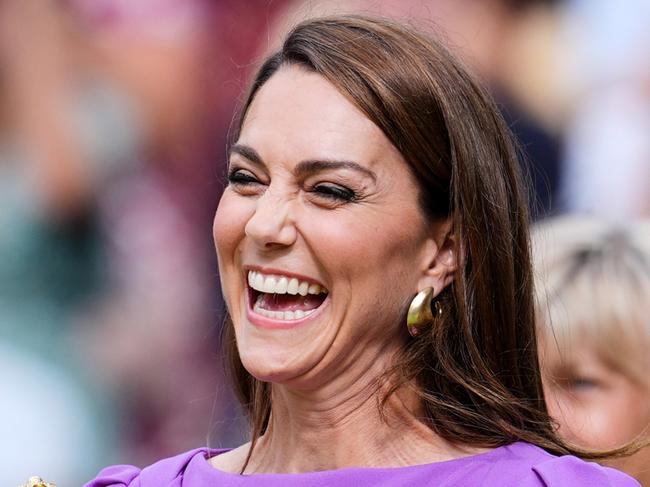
{"x": 368, "y": 168}
{"x": 594, "y": 303}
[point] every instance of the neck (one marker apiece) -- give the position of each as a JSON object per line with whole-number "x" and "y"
{"x": 343, "y": 425}
{"x": 635, "y": 465}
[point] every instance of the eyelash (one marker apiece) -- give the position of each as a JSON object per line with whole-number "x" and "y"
{"x": 239, "y": 177}
{"x": 334, "y": 192}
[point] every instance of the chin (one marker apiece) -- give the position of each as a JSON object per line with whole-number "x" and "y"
{"x": 269, "y": 366}
{"x": 283, "y": 356}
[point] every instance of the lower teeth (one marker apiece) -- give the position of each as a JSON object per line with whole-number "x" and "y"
{"x": 282, "y": 315}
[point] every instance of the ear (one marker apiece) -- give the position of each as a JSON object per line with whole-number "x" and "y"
{"x": 440, "y": 259}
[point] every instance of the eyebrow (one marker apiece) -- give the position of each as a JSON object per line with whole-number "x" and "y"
{"x": 247, "y": 153}
{"x": 305, "y": 167}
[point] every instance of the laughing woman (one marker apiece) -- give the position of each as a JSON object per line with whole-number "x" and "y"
{"x": 373, "y": 253}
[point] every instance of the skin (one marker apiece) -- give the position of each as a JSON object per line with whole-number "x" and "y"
{"x": 596, "y": 406}
{"x": 372, "y": 253}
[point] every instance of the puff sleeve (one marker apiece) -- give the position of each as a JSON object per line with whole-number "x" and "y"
{"x": 568, "y": 470}
{"x": 169, "y": 472}
{"x": 116, "y": 476}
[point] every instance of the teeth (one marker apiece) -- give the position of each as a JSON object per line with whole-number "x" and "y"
{"x": 282, "y": 285}
{"x": 269, "y": 285}
{"x": 303, "y": 289}
{"x": 258, "y": 281}
{"x": 292, "y": 288}
{"x": 281, "y": 315}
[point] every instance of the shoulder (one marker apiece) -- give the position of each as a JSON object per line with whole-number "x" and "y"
{"x": 531, "y": 466}
{"x": 232, "y": 460}
{"x": 161, "y": 473}
{"x": 568, "y": 470}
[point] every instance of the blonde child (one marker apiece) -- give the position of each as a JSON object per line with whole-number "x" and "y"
{"x": 593, "y": 296}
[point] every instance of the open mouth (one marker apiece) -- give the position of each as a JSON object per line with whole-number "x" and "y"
{"x": 284, "y": 298}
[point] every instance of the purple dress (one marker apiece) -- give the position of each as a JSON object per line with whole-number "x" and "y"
{"x": 520, "y": 464}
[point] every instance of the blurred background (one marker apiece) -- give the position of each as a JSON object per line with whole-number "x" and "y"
{"x": 114, "y": 116}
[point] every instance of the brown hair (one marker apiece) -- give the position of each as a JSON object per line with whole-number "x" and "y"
{"x": 476, "y": 368}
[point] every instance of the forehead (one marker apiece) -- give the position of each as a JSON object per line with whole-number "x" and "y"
{"x": 298, "y": 114}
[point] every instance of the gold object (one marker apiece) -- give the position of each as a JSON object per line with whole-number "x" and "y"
{"x": 420, "y": 314}
{"x": 37, "y": 482}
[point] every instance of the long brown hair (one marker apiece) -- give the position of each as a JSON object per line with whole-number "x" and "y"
{"x": 476, "y": 368}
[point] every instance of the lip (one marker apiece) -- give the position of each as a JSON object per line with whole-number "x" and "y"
{"x": 270, "y": 323}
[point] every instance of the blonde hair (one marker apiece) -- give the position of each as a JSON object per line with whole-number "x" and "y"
{"x": 593, "y": 287}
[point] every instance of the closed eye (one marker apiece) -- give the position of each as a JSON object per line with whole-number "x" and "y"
{"x": 582, "y": 383}
{"x": 242, "y": 177}
{"x": 334, "y": 192}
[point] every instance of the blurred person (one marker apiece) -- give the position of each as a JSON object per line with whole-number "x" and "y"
{"x": 373, "y": 254}
{"x": 153, "y": 218}
{"x": 607, "y": 169}
{"x": 53, "y": 417}
{"x": 100, "y": 192}
{"x": 594, "y": 306}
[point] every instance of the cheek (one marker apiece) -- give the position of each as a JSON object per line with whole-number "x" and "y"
{"x": 368, "y": 252}
{"x": 599, "y": 420}
{"x": 228, "y": 228}
{"x": 228, "y": 232}
{"x": 580, "y": 419}
{"x": 365, "y": 258}
{"x": 628, "y": 411}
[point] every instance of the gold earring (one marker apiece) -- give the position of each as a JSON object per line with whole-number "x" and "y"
{"x": 419, "y": 314}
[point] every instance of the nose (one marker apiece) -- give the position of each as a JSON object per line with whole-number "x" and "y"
{"x": 271, "y": 225}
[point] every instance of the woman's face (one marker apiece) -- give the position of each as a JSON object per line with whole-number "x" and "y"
{"x": 320, "y": 239}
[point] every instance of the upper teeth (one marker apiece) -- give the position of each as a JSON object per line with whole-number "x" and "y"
{"x": 282, "y": 284}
